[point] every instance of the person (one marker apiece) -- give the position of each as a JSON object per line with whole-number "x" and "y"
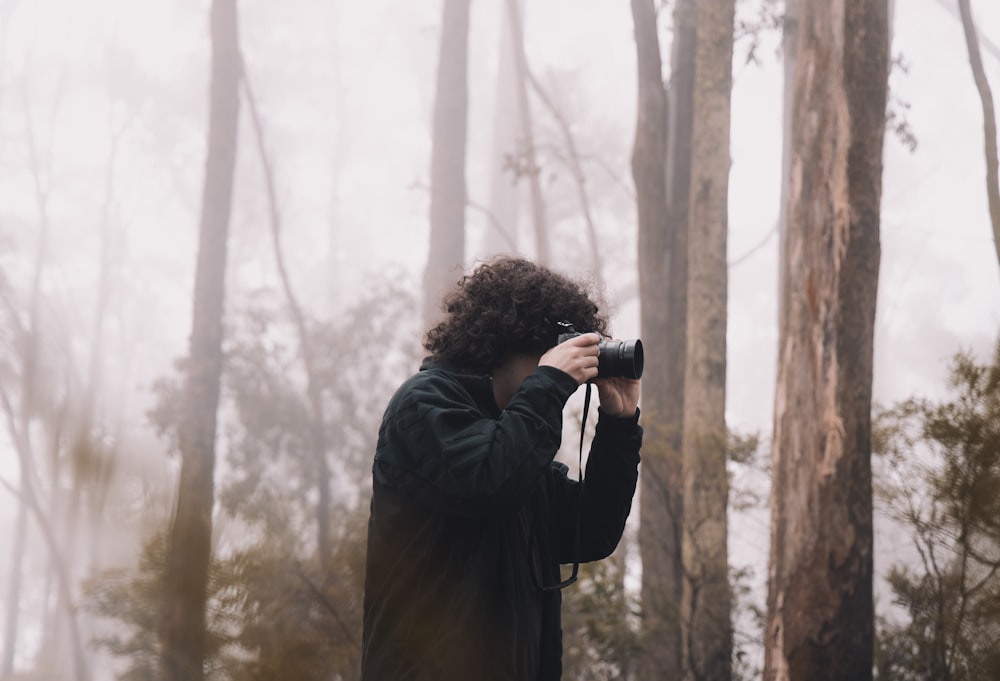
{"x": 470, "y": 515}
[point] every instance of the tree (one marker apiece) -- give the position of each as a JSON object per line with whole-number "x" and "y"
{"x": 989, "y": 120}
{"x": 527, "y": 163}
{"x": 274, "y": 610}
{"x": 317, "y": 437}
{"x": 501, "y": 234}
{"x": 188, "y": 553}
{"x": 661, "y": 162}
{"x": 42, "y": 401}
{"x": 706, "y": 628}
{"x": 941, "y": 481}
{"x": 789, "y": 33}
{"x": 599, "y": 641}
{"x": 448, "y": 196}
{"x": 820, "y": 607}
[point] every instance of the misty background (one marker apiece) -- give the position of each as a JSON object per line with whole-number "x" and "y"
{"x": 102, "y": 145}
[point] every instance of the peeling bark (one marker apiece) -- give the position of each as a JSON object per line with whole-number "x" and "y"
{"x": 820, "y": 610}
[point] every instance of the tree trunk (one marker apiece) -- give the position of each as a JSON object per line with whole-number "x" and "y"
{"x": 19, "y": 423}
{"x": 447, "y": 234}
{"x": 705, "y": 606}
{"x": 501, "y": 234}
{"x": 989, "y": 120}
{"x": 789, "y": 43}
{"x": 11, "y": 617}
{"x": 820, "y": 611}
{"x": 527, "y": 160}
{"x": 661, "y": 165}
{"x": 575, "y": 165}
{"x": 317, "y": 417}
{"x": 183, "y": 636}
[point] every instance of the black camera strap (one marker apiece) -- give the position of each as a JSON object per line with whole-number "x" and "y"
{"x": 579, "y": 501}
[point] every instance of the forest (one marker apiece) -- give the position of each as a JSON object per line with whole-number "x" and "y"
{"x": 225, "y": 228}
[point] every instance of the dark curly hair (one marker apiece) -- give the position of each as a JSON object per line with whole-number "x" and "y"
{"x": 509, "y": 306}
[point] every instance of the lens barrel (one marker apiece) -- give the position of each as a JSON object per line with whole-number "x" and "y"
{"x": 620, "y": 359}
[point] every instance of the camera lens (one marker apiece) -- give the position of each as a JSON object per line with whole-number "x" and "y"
{"x": 620, "y": 358}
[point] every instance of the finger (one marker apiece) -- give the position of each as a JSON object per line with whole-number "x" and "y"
{"x": 585, "y": 340}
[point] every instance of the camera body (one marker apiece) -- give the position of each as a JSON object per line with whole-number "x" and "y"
{"x": 615, "y": 358}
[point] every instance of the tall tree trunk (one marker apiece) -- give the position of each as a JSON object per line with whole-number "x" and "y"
{"x": 447, "y": 234}
{"x": 790, "y": 29}
{"x": 989, "y": 120}
{"x": 705, "y": 606}
{"x": 575, "y": 165}
{"x": 183, "y": 638}
{"x": 501, "y": 234}
{"x": 19, "y": 423}
{"x": 820, "y": 611}
{"x": 527, "y": 158}
{"x": 19, "y": 426}
{"x": 12, "y": 616}
{"x": 661, "y": 165}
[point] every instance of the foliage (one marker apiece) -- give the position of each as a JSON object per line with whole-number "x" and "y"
{"x": 276, "y": 609}
{"x": 134, "y": 597}
{"x": 942, "y": 481}
{"x": 600, "y": 617}
{"x": 297, "y": 619}
{"x": 749, "y": 473}
{"x": 769, "y": 18}
{"x": 748, "y": 641}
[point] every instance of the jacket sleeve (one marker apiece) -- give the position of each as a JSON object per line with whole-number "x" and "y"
{"x": 612, "y": 472}
{"x": 437, "y": 447}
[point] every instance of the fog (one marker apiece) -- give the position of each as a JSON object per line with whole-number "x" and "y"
{"x": 103, "y": 121}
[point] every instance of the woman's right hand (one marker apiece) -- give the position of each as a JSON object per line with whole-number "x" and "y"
{"x": 576, "y": 356}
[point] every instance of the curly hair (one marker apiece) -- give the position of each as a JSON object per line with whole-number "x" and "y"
{"x": 509, "y": 306}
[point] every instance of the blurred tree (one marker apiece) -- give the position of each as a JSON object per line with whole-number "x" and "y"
{"x": 661, "y": 168}
{"x": 305, "y": 352}
{"x": 600, "y": 639}
{"x": 275, "y": 609}
{"x": 36, "y": 397}
{"x": 18, "y": 416}
{"x": 526, "y": 163}
{"x": 989, "y": 120}
{"x": 501, "y": 234}
{"x": 354, "y": 377}
{"x": 820, "y": 589}
{"x": 291, "y": 620}
{"x": 570, "y": 156}
{"x": 446, "y": 254}
{"x": 942, "y": 481}
{"x": 189, "y": 545}
{"x": 134, "y": 598}
{"x": 706, "y": 628}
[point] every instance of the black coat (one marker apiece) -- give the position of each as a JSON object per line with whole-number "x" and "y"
{"x": 470, "y": 517}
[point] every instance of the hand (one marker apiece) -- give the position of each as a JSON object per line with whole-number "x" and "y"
{"x": 619, "y": 396}
{"x": 576, "y": 356}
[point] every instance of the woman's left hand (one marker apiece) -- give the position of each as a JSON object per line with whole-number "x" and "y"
{"x": 619, "y": 396}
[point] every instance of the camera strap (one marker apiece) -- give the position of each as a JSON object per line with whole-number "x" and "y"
{"x": 579, "y": 501}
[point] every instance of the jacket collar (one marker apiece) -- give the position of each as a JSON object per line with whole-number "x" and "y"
{"x": 479, "y": 386}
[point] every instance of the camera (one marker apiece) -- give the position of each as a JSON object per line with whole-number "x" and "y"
{"x": 615, "y": 358}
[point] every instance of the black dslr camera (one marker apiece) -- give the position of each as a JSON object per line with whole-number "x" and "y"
{"x": 615, "y": 358}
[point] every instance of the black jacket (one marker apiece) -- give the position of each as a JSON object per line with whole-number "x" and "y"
{"x": 470, "y": 516}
